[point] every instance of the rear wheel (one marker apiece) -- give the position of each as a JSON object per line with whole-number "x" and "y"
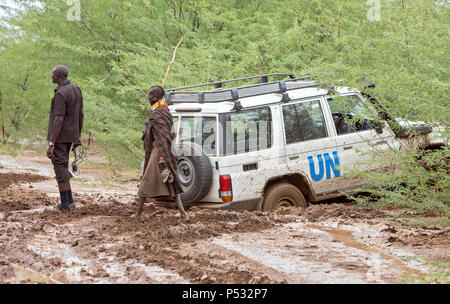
{"x": 194, "y": 172}
{"x": 283, "y": 195}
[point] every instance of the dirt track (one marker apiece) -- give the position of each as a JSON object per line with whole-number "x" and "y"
{"x": 98, "y": 242}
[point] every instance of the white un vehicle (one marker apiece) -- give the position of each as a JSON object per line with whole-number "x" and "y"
{"x": 278, "y": 143}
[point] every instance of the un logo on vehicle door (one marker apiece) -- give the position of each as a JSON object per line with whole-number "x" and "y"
{"x": 325, "y": 164}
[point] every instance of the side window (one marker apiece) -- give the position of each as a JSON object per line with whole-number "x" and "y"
{"x": 247, "y": 130}
{"x": 351, "y": 115}
{"x": 304, "y": 121}
{"x": 200, "y": 130}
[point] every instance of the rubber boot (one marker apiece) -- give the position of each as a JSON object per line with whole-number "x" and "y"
{"x": 180, "y": 206}
{"x": 138, "y": 213}
{"x": 64, "y": 206}
{"x": 71, "y": 201}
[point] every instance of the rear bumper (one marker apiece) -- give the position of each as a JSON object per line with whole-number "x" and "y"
{"x": 250, "y": 205}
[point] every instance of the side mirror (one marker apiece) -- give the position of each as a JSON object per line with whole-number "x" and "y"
{"x": 378, "y": 127}
{"x": 369, "y": 84}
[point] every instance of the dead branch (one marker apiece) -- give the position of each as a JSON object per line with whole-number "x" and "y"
{"x": 173, "y": 60}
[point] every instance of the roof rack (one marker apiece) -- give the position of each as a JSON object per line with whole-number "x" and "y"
{"x": 179, "y": 95}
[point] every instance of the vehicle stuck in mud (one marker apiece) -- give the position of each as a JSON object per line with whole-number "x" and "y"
{"x": 279, "y": 143}
{"x": 98, "y": 243}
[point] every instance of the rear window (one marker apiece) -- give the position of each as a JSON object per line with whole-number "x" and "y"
{"x": 247, "y": 130}
{"x": 200, "y": 130}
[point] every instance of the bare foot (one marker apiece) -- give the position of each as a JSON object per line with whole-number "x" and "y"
{"x": 183, "y": 217}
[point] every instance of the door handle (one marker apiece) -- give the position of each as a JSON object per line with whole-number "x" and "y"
{"x": 348, "y": 148}
{"x": 380, "y": 142}
{"x": 294, "y": 157}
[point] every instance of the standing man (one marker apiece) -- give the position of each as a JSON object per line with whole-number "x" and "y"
{"x": 159, "y": 180}
{"x": 64, "y": 130}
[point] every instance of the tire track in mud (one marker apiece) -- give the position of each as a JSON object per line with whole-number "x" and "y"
{"x": 162, "y": 239}
{"x": 98, "y": 243}
{"x": 100, "y": 229}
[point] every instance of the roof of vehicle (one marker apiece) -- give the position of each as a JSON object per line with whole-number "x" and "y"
{"x": 222, "y": 100}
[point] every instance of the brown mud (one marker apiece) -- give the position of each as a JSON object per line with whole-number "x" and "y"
{"x": 98, "y": 242}
{"x": 23, "y": 198}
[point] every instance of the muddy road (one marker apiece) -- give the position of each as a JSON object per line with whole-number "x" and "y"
{"x": 98, "y": 242}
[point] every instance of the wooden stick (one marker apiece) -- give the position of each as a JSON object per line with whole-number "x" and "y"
{"x": 173, "y": 60}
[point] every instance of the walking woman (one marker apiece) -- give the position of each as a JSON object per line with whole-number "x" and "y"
{"x": 159, "y": 180}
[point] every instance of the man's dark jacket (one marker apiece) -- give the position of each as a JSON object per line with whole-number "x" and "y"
{"x": 67, "y": 102}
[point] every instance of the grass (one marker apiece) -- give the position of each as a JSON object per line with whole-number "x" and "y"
{"x": 11, "y": 148}
{"x": 415, "y": 220}
{"x": 440, "y": 276}
{"x": 419, "y": 222}
{"x": 417, "y": 215}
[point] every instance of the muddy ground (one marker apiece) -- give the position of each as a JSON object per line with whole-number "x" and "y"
{"x": 98, "y": 242}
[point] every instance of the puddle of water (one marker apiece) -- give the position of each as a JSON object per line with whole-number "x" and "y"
{"x": 87, "y": 183}
{"x": 75, "y": 268}
{"x": 23, "y": 274}
{"x": 346, "y": 237}
{"x": 296, "y": 262}
{"x": 21, "y": 164}
{"x": 32, "y": 210}
{"x": 160, "y": 275}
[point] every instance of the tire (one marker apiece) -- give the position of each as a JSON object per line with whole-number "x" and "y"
{"x": 194, "y": 171}
{"x": 283, "y": 194}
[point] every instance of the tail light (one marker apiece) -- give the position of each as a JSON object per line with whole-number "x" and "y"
{"x": 225, "y": 191}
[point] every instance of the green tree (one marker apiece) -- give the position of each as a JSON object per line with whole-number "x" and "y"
{"x": 119, "y": 48}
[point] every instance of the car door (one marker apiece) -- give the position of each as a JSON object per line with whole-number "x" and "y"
{"x": 250, "y": 153}
{"x": 357, "y": 131}
{"x": 309, "y": 145}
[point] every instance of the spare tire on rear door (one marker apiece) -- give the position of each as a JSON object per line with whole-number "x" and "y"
{"x": 194, "y": 172}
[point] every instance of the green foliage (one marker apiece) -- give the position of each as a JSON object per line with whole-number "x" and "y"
{"x": 417, "y": 221}
{"x": 120, "y": 48}
{"x": 420, "y": 182}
